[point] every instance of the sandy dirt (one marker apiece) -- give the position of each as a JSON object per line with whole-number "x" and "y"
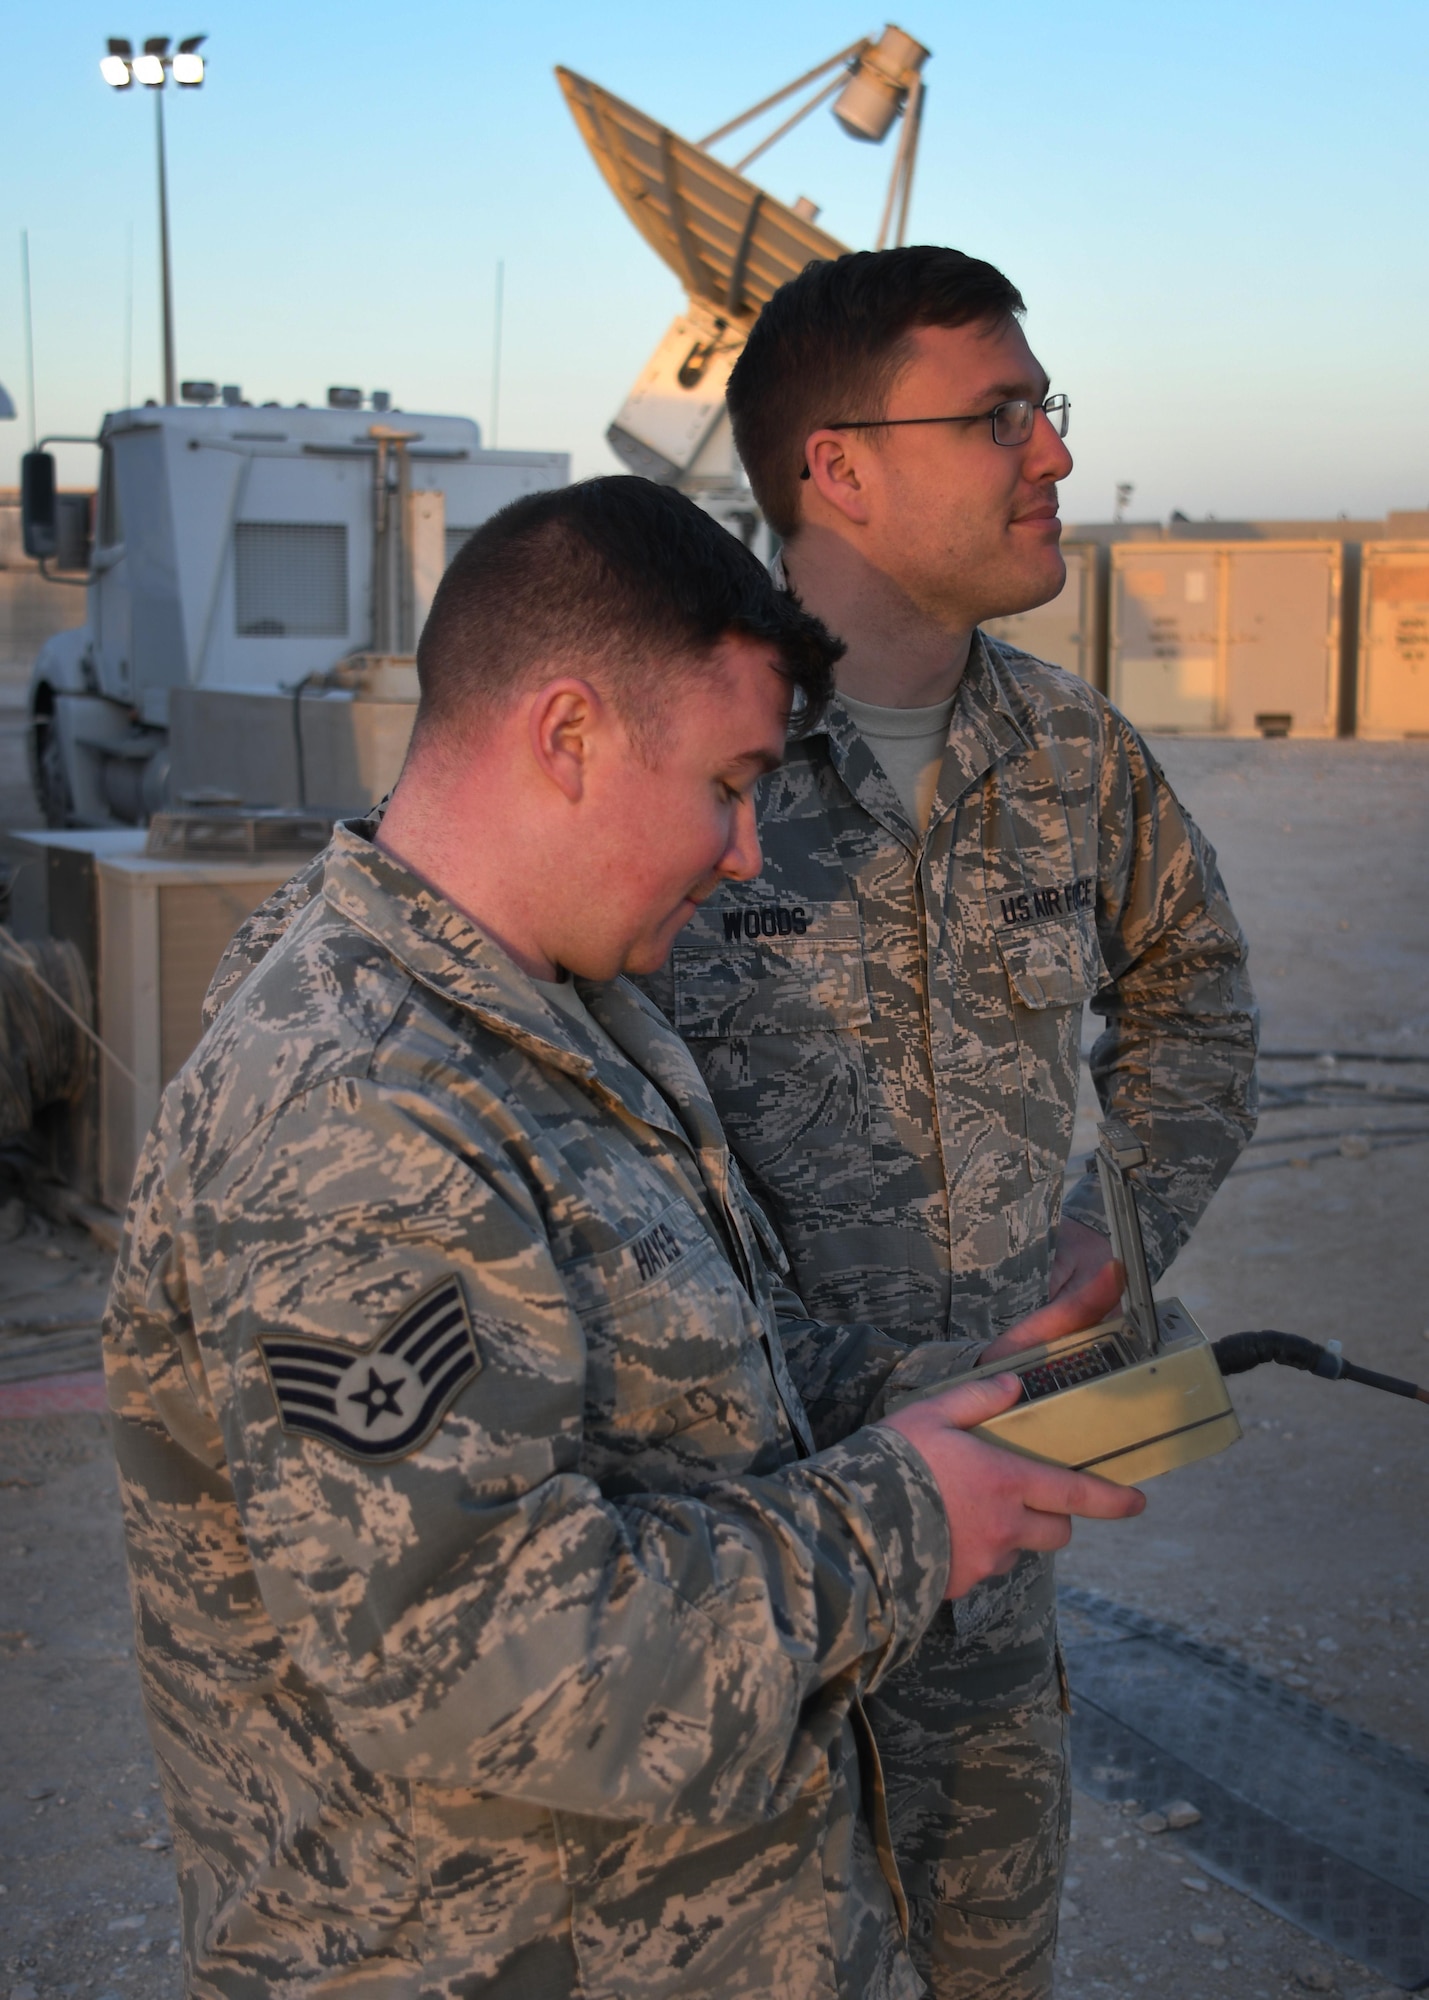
{"x": 1302, "y": 1549}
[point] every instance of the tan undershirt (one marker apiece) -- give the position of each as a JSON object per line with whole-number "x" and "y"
{"x": 909, "y": 744}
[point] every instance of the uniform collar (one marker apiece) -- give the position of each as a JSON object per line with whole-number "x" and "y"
{"x": 443, "y": 949}
{"x": 648, "y": 1073}
{"x": 990, "y": 721}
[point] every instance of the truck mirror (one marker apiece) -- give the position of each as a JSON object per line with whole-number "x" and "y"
{"x": 39, "y": 512}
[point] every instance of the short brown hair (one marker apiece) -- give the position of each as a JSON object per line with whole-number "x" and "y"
{"x": 618, "y": 578}
{"x": 832, "y": 343}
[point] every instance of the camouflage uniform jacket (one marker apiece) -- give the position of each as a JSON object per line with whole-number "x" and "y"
{"x": 889, "y": 1023}
{"x": 495, "y": 1636}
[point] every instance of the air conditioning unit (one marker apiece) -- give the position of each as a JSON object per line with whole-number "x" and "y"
{"x": 162, "y": 928}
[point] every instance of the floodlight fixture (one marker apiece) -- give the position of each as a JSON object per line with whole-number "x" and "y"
{"x": 120, "y": 68}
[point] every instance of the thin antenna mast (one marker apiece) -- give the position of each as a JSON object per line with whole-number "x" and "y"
{"x": 29, "y": 330}
{"x": 496, "y": 348}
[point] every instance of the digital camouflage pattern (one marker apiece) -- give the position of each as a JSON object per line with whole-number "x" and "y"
{"x": 889, "y": 1025}
{"x": 496, "y": 1637}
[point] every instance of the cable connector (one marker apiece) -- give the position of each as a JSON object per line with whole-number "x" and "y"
{"x": 1241, "y": 1351}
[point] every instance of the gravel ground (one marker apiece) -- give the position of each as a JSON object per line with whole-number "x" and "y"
{"x": 1302, "y": 1549}
{"x": 89, "y": 1904}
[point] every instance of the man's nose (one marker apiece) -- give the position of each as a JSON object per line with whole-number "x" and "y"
{"x": 743, "y": 858}
{"x": 1047, "y": 456}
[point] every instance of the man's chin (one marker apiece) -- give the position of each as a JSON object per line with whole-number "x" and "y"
{"x": 649, "y": 954}
{"x": 1034, "y": 583}
{"x": 646, "y": 957}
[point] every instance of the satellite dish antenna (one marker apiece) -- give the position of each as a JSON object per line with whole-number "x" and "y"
{"x": 729, "y": 243}
{"x": 732, "y": 245}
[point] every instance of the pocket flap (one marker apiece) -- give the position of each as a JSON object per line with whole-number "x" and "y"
{"x": 1052, "y": 965}
{"x": 770, "y": 967}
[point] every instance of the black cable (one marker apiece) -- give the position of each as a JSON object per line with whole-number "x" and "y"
{"x": 1241, "y": 1351}
{"x": 297, "y": 693}
{"x": 1342, "y": 1055}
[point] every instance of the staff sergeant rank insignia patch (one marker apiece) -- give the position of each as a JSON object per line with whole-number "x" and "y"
{"x": 384, "y": 1400}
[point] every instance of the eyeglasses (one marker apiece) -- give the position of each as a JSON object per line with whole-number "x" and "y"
{"x": 1012, "y": 422}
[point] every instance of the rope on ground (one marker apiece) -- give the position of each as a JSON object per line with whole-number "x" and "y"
{"x": 45, "y": 1006}
{"x": 27, "y": 966}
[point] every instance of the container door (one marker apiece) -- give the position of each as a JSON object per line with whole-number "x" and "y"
{"x": 1282, "y": 641}
{"x": 1164, "y": 666}
{"x": 1394, "y": 641}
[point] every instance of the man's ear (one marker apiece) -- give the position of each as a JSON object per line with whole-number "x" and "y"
{"x": 838, "y": 475}
{"x": 563, "y": 721}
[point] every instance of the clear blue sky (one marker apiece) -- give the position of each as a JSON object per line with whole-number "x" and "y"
{"x": 1216, "y": 212}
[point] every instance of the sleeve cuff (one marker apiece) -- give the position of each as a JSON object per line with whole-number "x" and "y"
{"x": 896, "y": 1495}
{"x": 936, "y": 1365}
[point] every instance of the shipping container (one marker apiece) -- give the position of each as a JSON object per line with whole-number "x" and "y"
{"x": 1394, "y": 639}
{"x": 1227, "y": 638}
{"x": 1067, "y": 631}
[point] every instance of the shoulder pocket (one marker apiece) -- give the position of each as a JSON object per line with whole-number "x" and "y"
{"x": 770, "y": 967}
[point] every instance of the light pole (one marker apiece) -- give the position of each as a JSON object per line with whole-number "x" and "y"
{"x": 121, "y": 69}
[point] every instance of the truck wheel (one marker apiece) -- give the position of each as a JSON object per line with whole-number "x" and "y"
{"x": 47, "y": 772}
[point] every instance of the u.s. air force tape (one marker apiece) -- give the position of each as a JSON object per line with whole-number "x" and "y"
{"x": 384, "y": 1400}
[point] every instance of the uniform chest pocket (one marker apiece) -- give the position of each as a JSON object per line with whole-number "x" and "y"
{"x": 770, "y": 969}
{"x": 771, "y": 997}
{"x": 676, "y": 1376}
{"x": 1051, "y": 968}
{"x": 1052, "y": 965}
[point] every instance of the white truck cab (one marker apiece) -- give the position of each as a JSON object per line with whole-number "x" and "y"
{"x": 247, "y": 550}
